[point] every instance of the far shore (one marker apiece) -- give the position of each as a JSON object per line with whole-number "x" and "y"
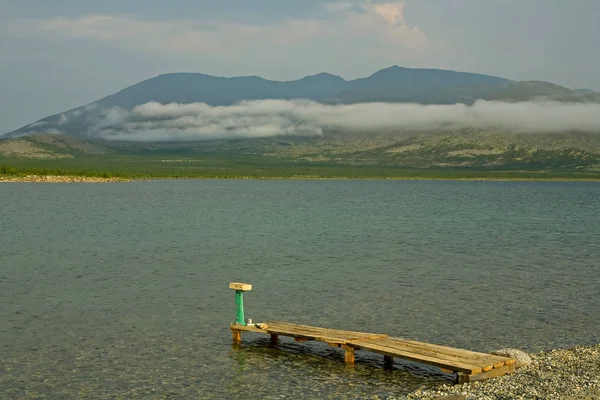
{"x": 96, "y": 179}
{"x": 59, "y": 179}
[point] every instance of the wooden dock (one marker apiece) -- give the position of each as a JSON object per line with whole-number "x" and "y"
{"x": 469, "y": 366}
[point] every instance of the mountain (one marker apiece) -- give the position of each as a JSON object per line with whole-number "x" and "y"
{"x": 217, "y": 91}
{"x": 395, "y": 84}
{"x": 425, "y": 86}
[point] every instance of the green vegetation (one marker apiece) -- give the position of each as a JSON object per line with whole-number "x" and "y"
{"x": 468, "y": 154}
{"x": 146, "y": 167}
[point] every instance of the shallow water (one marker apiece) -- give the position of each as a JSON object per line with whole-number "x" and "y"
{"x": 119, "y": 290}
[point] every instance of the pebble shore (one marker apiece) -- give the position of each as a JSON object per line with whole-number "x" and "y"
{"x": 571, "y": 374}
{"x": 58, "y": 178}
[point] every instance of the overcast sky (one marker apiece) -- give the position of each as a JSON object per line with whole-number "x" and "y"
{"x": 59, "y": 54}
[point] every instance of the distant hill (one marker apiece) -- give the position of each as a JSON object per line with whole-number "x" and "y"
{"x": 217, "y": 91}
{"x": 532, "y": 90}
{"x": 424, "y": 86}
{"x": 48, "y": 146}
{"x": 462, "y": 149}
{"x": 395, "y": 84}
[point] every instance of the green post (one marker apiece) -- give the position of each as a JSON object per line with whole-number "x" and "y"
{"x": 239, "y": 305}
{"x": 240, "y": 288}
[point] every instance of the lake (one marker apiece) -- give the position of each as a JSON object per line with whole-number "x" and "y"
{"x": 119, "y": 290}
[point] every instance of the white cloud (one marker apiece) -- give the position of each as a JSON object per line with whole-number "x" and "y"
{"x": 263, "y": 118}
{"x": 379, "y": 24}
{"x": 392, "y": 13}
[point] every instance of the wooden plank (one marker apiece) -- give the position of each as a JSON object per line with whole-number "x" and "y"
{"x": 247, "y": 328}
{"x": 323, "y": 334}
{"x": 300, "y": 326}
{"x": 494, "y": 373}
{"x": 320, "y": 331}
{"x": 276, "y": 329}
{"x": 480, "y": 359}
{"x": 240, "y": 286}
{"x": 332, "y": 340}
{"x": 455, "y": 365}
{"x": 304, "y": 332}
{"x": 268, "y": 330}
{"x": 313, "y": 333}
{"x": 453, "y": 351}
{"x": 306, "y": 336}
{"x": 370, "y": 337}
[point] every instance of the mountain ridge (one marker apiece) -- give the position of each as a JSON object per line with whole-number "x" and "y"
{"x": 394, "y": 84}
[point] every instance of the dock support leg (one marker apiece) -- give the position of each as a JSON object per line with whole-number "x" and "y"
{"x": 237, "y": 336}
{"x": 349, "y": 356}
{"x": 493, "y": 373}
{"x": 388, "y": 361}
{"x": 274, "y": 338}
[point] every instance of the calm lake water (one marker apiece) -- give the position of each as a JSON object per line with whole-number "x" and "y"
{"x": 119, "y": 290}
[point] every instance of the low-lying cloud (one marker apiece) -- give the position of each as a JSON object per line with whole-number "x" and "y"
{"x": 250, "y": 119}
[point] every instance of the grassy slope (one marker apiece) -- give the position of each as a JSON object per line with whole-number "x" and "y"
{"x": 204, "y": 167}
{"x": 454, "y": 155}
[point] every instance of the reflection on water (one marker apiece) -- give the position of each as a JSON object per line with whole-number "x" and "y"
{"x": 120, "y": 290}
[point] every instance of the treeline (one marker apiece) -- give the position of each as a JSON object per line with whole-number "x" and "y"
{"x": 8, "y": 170}
{"x": 298, "y": 171}
{"x": 16, "y": 171}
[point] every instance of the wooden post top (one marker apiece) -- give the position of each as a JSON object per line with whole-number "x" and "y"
{"x": 240, "y": 286}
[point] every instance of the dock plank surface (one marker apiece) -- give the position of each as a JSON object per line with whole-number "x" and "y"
{"x": 334, "y": 336}
{"x": 469, "y": 365}
{"x": 483, "y": 361}
{"x": 396, "y": 348}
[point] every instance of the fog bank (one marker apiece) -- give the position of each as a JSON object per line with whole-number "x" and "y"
{"x": 263, "y": 118}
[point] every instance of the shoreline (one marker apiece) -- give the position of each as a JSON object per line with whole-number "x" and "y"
{"x": 569, "y": 374}
{"x": 59, "y": 179}
{"x": 94, "y": 179}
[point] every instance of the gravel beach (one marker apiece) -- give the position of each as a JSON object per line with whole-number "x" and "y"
{"x": 558, "y": 374}
{"x": 57, "y": 178}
